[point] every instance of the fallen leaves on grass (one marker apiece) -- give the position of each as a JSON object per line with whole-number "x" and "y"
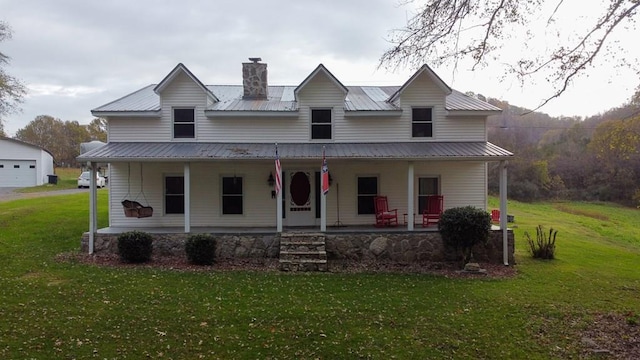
{"x": 448, "y": 270}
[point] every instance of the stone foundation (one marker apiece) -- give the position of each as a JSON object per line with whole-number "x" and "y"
{"x": 401, "y": 247}
{"x": 410, "y": 247}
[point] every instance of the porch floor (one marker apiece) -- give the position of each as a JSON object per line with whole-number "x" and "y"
{"x": 271, "y": 230}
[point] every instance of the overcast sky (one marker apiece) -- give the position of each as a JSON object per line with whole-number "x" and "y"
{"x": 77, "y": 55}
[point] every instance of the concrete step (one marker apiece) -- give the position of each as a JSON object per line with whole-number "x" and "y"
{"x": 310, "y": 243}
{"x": 303, "y": 252}
{"x": 303, "y": 255}
{"x": 302, "y": 261}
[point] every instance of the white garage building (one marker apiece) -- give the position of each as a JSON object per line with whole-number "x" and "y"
{"x": 23, "y": 164}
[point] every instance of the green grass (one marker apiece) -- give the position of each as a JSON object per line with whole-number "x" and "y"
{"x": 67, "y": 179}
{"x": 65, "y": 309}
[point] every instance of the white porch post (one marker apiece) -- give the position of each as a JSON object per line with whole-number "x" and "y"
{"x": 93, "y": 209}
{"x": 187, "y": 197}
{"x": 410, "y": 197}
{"x": 279, "y": 211}
{"x": 503, "y": 212}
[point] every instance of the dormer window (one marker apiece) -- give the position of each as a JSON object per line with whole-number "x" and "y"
{"x": 320, "y": 124}
{"x": 184, "y": 125}
{"x": 422, "y": 122}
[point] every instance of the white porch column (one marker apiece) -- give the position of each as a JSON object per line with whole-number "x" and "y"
{"x": 503, "y": 212}
{"x": 279, "y": 211}
{"x": 93, "y": 208}
{"x": 187, "y": 197}
{"x": 410, "y": 186}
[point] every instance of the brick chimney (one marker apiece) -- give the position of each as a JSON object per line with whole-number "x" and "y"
{"x": 254, "y": 79}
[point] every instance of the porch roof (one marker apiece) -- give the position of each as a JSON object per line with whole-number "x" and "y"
{"x": 199, "y": 151}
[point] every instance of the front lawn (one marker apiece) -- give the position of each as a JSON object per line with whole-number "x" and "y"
{"x": 52, "y": 308}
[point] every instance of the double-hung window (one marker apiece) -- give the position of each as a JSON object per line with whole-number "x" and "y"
{"x": 426, "y": 186}
{"x": 367, "y": 191}
{"x": 174, "y": 194}
{"x": 184, "y": 125}
{"x": 232, "y": 195}
{"x": 320, "y": 124}
{"x": 422, "y": 122}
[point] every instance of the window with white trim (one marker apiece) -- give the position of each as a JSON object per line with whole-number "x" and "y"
{"x": 174, "y": 194}
{"x": 426, "y": 186}
{"x": 367, "y": 191}
{"x": 184, "y": 125}
{"x": 320, "y": 123}
{"x": 422, "y": 122}
{"x": 232, "y": 195}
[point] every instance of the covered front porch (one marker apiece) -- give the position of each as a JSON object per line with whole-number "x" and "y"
{"x": 226, "y": 189}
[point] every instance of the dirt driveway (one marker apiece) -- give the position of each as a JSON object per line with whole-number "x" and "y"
{"x": 9, "y": 193}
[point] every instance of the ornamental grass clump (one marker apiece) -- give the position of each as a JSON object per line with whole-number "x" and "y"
{"x": 463, "y": 228}
{"x": 135, "y": 246}
{"x": 544, "y": 247}
{"x": 201, "y": 249}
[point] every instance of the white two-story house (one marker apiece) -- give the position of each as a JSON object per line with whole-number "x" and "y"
{"x": 202, "y": 156}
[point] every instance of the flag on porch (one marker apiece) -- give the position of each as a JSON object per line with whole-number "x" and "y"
{"x": 325, "y": 174}
{"x": 278, "y": 172}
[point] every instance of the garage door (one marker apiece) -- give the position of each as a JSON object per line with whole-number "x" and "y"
{"x": 18, "y": 173}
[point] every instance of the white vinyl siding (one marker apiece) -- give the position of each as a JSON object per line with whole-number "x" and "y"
{"x": 461, "y": 183}
{"x": 138, "y": 129}
{"x": 423, "y": 93}
{"x": 182, "y": 92}
{"x": 322, "y": 93}
{"x": 264, "y": 130}
{"x": 463, "y": 129}
{"x": 206, "y": 208}
{"x": 319, "y": 92}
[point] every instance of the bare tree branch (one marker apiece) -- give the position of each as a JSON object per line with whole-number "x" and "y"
{"x": 444, "y": 32}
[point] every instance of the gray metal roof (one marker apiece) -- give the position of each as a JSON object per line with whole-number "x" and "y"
{"x": 281, "y": 98}
{"x": 459, "y": 101}
{"x": 191, "y": 151}
{"x": 144, "y": 99}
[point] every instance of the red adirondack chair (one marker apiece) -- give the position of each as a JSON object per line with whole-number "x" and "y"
{"x": 433, "y": 211}
{"x": 495, "y": 216}
{"x": 384, "y": 216}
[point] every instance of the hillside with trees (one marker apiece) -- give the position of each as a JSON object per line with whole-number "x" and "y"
{"x": 596, "y": 158}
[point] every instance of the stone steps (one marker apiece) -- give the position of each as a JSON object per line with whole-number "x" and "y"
{"x": 303, "y": 252}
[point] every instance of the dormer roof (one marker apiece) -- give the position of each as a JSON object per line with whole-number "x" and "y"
{"x": 424, "y": 70}
{"x": 320, "y": 70}
{"x": 182, "y": 69}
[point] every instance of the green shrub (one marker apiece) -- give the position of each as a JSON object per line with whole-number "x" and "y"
{"x": 201, "y": 249}
{"x": 464, "y": 227}
{"x": 135, "y": 246}
{"x": 544, "y": 247}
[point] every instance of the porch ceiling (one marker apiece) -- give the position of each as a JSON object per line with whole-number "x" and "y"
{"x": 198, "y": 151}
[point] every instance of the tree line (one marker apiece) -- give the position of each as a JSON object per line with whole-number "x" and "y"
{"x": 596, "y": 158}
{"x": 62, "y": 138}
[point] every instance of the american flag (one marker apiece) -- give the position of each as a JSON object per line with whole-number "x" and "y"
{"x": 278, "y": 172}
{"x": 325, "y": 174}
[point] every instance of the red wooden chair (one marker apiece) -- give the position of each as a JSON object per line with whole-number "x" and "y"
{"x": 433, "y": 211}
{"x": 495, "y": 216}
{"x": 384, "y": 216}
